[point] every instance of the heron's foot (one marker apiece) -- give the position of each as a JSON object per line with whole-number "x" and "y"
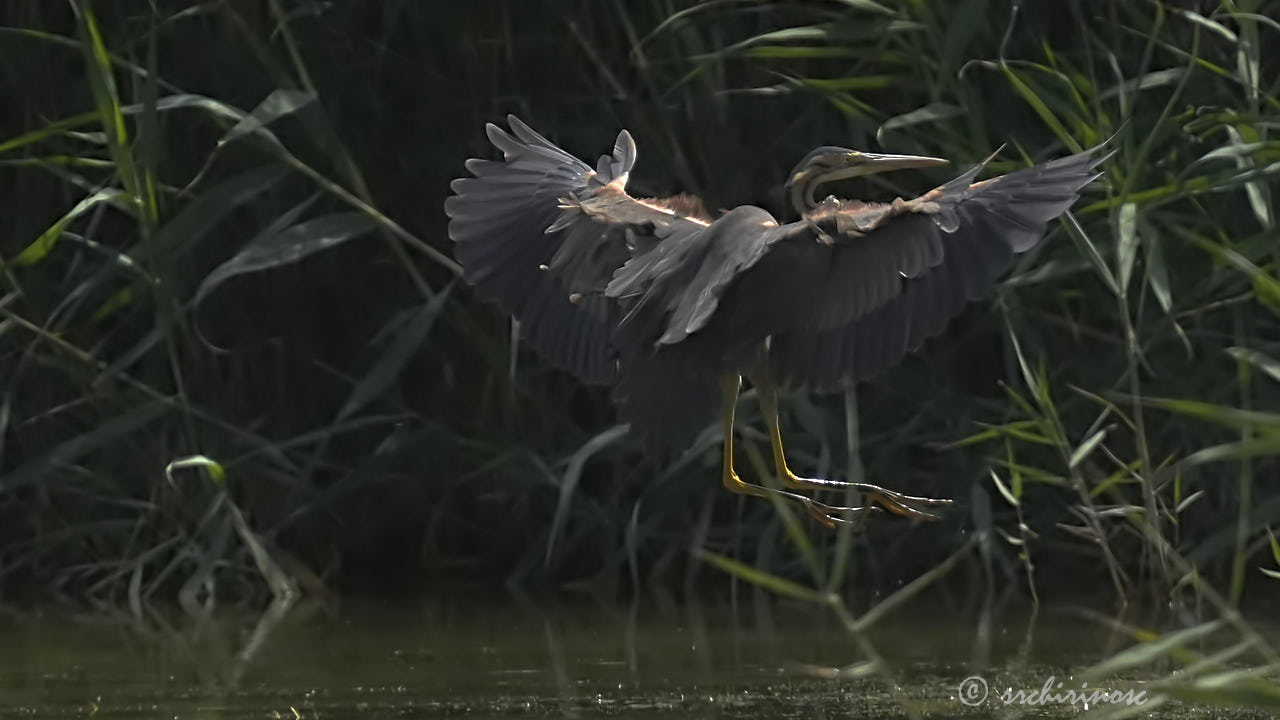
{"x": 832, "y": 515}
{"x": 829, "y": 515}
{"x": 909, "y": 506}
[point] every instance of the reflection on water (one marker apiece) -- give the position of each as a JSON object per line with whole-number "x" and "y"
{"x": 466, "y": 659}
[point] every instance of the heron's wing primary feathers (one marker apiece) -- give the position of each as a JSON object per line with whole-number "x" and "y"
{"x": 541, "y": 233}
{"x": 867, "y": 283}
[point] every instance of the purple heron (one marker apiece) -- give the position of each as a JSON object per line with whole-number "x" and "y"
{"x": 672, "y": 307}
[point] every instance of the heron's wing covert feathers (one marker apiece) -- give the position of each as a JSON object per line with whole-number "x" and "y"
{"x": 541, "y": 233}
{"x": 866, "y": 283}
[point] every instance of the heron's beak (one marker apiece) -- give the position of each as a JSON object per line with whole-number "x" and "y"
{"x": 853, "y": 164}
{"x": 876, "y": 163}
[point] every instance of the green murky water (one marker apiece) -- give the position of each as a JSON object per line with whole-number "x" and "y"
{"x": 474, "y": 660}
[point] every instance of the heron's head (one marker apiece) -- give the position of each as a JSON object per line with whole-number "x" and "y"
{"x": 830, "y": 163}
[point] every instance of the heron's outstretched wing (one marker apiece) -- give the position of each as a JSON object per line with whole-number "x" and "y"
{"x": 541, "y": 233}
{"x": 865, "y": 283}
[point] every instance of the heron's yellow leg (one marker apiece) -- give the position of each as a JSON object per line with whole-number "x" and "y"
{"x": 767, "y": 395}
{"x": 828, "y": 515}
{"x": 729, "y": 387}
{"x": 894, "y": 502}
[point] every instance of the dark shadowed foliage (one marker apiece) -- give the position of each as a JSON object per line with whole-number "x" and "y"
{"x": 237, "y": 356}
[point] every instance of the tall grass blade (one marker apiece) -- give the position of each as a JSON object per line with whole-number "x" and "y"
{"x": 392, "y": 361}
{"x": 288, "y": 246}
{"x": 772, "y": 583}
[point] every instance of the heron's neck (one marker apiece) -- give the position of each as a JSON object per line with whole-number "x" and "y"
{"x": 800, "y": 195}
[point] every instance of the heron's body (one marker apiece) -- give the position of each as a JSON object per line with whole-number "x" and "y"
{"x": 672, "y": 307}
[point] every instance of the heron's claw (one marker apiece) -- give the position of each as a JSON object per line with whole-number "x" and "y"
{"x": 906, "y": 505}
{"x": 830, "y": 515}
{"x": 909, "y": 506}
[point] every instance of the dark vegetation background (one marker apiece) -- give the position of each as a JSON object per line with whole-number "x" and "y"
{"x": 235, "y": 356}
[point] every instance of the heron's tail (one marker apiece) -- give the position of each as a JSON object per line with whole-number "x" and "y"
{"x": 666, "y": 402}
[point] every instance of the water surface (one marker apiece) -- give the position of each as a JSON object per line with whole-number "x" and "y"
{"x": 464, "y": 658}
